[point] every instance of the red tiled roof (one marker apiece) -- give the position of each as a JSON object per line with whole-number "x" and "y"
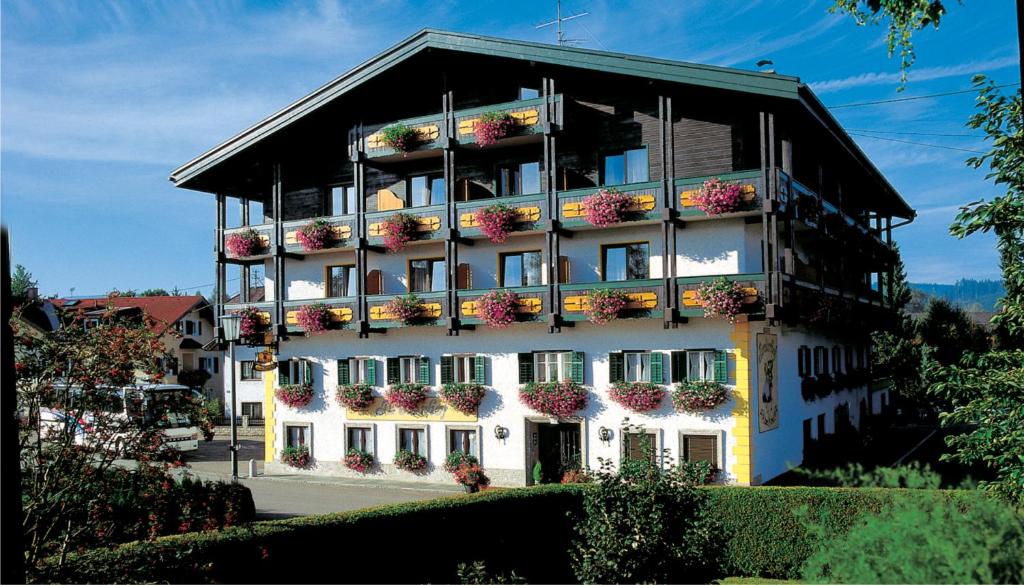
{"x": 165, "y": 310}
{"x": 256, "y": 295}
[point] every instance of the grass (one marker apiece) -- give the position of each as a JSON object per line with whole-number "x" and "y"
{"x": 753, "y": 581}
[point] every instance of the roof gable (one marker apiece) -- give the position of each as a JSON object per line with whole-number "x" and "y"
{"x": 165, "y": 310}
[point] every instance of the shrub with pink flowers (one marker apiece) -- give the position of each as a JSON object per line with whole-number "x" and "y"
{"x": 604, "y": 305}
{"x": 407, "y": 396}
{"x": 464, "y": 397}
{"x": 355, "y": 396}
{"x": 606, "y": 207}
{"x": 576, "y": 475}
{"x": 400, "y": 137}
{"x": 637, "y": 396}
{"x": 716, "y": 197}
{"x": 496, "y": 221}
{"x": 398, "y": 229}
{"x": 471, "y": 476}
{"x": 410, "y": 461}
{"x": 497, "y": 308}
{"x": 315, "y": 235}
{"x": 405, "y": 308}
{"x": 492, "y": 127}
{"x": 721, "y": 298}
{"x": 697, "y": 395}
{"x": 314, "y": 319}
{"x": 295, "y": 395}
{"x": 251, "y": 322}
{"x": 244, "y": 243}
{"x": 558, "y": 399}
{"x": 358, "y": 460}
{"x": 295, "y": 456}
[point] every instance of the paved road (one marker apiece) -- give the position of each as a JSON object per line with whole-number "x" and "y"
{"x": 288, "y": 496}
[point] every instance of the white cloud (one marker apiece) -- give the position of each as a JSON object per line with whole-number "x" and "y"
{"x": 922, "y": 74}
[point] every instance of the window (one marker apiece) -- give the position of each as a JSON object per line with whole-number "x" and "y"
{"x": 359, "y": 437}
{"x": 297, "y": 435}
{"x": 837, "y": 359}
{"x": 361, "y": 371}
{"x": 426, "y": 190}
{"x": 408, "y": 369}
{"x": 622, "y": 167}
{"x": 465, "y": 368}
{"x": 638, "y": 366}
{"x": 209, "y": 365}
{"x": 295, "y": 372}
{"x": 341, "y": 281}
{"x": 253, "y": 410}
{"x": 849, "y": 358}
{"x": 517, "y": 179}
{"x": 700, "y": 448}
{"x": 635, "y": 444}
{"x": 803, "y": 356}
{"x": 820, "y": 360}
{"x": 462, "y": 441}
{"x": 552, "y": 366}
{"x": 426, "y": 275}
{"x": 521, "y": 269}
{"x": 528, "y": 93}
{"x": 625, "y": 262}
{"x": 249, "y": 370}
{"x": 700, "y": 365}
{"x": 343, "y": 200}
{"x": 190, "y": 327}
{"x": 413, "y": 439}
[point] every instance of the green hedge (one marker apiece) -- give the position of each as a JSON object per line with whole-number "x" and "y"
{"x": 526, "y": 530}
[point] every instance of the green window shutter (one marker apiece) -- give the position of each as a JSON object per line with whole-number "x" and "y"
{"x": 678, "y": 366}
{"x": 657, "y": 376}
{"x": 576, "y": 371}
{"x": 424, "y": 370}
{"x": 616, "y": 367}
{"x": 284, "y": 373}
{"x": 307, "y": 372}
{"x": 343, "y": 376}
{"x": 721, "y": 367}
{"x": 525, "y": 368}
{"x": 479, "y": 370}
{"x": 371, "y": 372}
{"x": 393, "y": 370}
{"x": 447, "y": 369}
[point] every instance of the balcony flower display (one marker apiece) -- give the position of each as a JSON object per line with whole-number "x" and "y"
{"x": 408, "y": 397}
{"x": 358, "y": 460}
{"x": 497, "y": 308}
{"x": 405, "y": 308}
{"x": 637, "y": 396}
{"x": 464, "y": 397}
{"x": 315, "y": 235}
{"x": 492, "y": 127}
{"x": 496, "y": 221}
{"x": 716, "y": 197}
{"x": 721, "y": 298}
{"x": 606, "y": 207}
{"x": 399, "y": 230}
{"x": 295, "y": 456}
{"x": 698, "y": 395}
{"x": 355, "y": 396}
{"x": 252, "y": 321}
{"x": 558, "y": 399}
{"x": 410, "y": 461}
{"x": 244, "y": 243}
{"x": 400, "y": 137}
{"x": 604, "y": 305}
{"x": 295, "y": 395}
{"x": 314, "y": 319}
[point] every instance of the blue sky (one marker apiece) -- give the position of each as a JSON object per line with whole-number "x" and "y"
{"x": 101, "y": 100}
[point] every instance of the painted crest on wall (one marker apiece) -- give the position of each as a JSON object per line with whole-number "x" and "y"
{"x": 767, "y": 381}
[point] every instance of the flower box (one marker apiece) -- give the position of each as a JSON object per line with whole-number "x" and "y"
{"x": 245, "y": 243}
{"x": 358, "y": 460}
{"x": 558, "y": 399}
{"x": 400, "y": 137}
{"x": 637, "y": 396}
{"x": 398, "y": 230}
{"x": 492, "y": 127}
{"x": 604, "y": 305}
{"x": 356, "y": 397}
{"x": 498, "y": 308}
{"x": 314, "y": 319}
{"x": 606, "y": 207}
{"x": 315, "y": 235}
{"x": 496, "y": 221}
{"x": 408, "y": 397}
{"x": 295, "y": 395}
{"x": 410, "y": 461}
{"x": 295, "y": 456}
{"x": 464, "y": 397}
{"x": 699, "y": 395}
{"x": 721, "y": 298}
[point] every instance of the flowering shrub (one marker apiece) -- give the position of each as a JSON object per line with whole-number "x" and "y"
{"x": 559, "y": 399}
{"x": 721, "y": 298}
{"x": 315, "y": 235}
{"x": 637, "y": 396}
{"x": 697, "y": 395}
{"x": 405, "y": 308}
{"x": 457, "y": 458}
{"x": 604, "y": 305}
{"x": 295, "y": 395}
{"x": 244, "y": 243}
{"x": 251, "y": 323}
{"x": 410, "y": 461}
{"x": 315, "y": 318}
{"x": 471, "y": 475}
{"x": 355, "y": 396}
{"x": 295, "y": 456}
{"x": 696, "y": 472}
{"x": 576, "y": 476}
{"x": 358, "y": 460}
{"x": 408, "y": 397}
{"x": 606, "y": 207}
{"x": 496, "y": 221}
{"x": 400, "y": 137}
{"x": 716, "y": 197}
{"x": 399, "y": 229}
{"x": 497, "y": 308}
{"x": 492, "y": 127}
{"x": 464, "y": 397}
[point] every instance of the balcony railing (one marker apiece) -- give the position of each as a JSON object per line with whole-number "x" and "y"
{"x": 433, "y": 308}
{"x": 527, "y": 114}
{"x": 344, "y": 312}
{"x": 647, "y": 199}
{"x": 645, "y": 298}
{"x": 753, "y": 285}
{"x": 266, "y": 234}
{"x": 753, "y": 192}
{"x": 431, "y": 219}
{"x": 344, "y": 228}
{"x": 531, "y": 210}
{"x": 531, "y": 306}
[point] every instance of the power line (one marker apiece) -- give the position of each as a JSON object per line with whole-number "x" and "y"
{"x": 915, "y": 97}
{"x": 914, "y": 133}
{"x": 917, "y": 143}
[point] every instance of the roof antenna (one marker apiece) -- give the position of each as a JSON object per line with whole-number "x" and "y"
{"x": 559, "y": 19}
{"x": 766, "y": 66}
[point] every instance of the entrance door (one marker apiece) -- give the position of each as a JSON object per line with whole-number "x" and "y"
{"x": 558, "y": 450}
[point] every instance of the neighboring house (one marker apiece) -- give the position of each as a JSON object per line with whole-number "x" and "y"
{"x": 249, "y": 382}
{"x": 183, "y": 323}
{"x": 805, "y": 231}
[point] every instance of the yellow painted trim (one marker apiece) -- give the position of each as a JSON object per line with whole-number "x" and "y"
{"x": 428, "y": 311}
{"x": 642, "y": 202}
{"x": 742, "y": 449}
{"x": 523, "y": 215}
{"x": 634, "y": 300}
{"x": 341, "y": 232}
{"x": 342, "y": 315}
{"x": 424, "y": 224}
{"x": 686, "y": 198}
{"x": 521, "y": 118}
{"x": 427, "y": 132}
{"x": 689, "y": 297}
{"x": 528, "y": 306}
{"x": 269, "y": 426}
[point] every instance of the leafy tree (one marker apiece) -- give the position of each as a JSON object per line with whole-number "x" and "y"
{"x": 21, "y": 281}
{"x": 154, "y": 292}
{"x": 896, "y": 352}
{"x": 950, "y": 333}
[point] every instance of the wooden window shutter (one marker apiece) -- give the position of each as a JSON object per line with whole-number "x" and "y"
{"x": 634, "y": 446}
{"x": 701, "y": 448}
{"x": 393, "y": 370}
{"x": 721, "y": 367}
{"x": 657, "y": 371}
{"x": 525, "y": 368}
{"x": 479, "y": 369}
{"x": 284, "y": 373}
{"x": 616, "y": 367}
{"x": 374, "y": 283}
{"x": 424, "y": 370}
{"x": 464, "y": 277}
{"x": 371, "y": 372}
{"x": 343, "y": 375}
{"x": 563, "y": 270}
{"x": 447, "y": 369}
{"x": 678, "y": 366}
{"x": 576, "y": 368}
{"x": 307, "y": 371}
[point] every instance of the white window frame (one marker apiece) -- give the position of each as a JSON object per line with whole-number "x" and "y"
{"x": 719, "y": 446}
{"x": 424, "y": 445}
{"x": 561, "y": 360}
{"x": 241, "y": 371}
{"x": 449, "y": 446}
{"x": 464, "y": 368}
{"x": 707, "y": 369}
{"x": 640, "y": 370}
{"x": 309, "y": 434}
{"x": 357, "y": 369}
{"x": 408, "y": 369}
{"x": 371, "y": 436}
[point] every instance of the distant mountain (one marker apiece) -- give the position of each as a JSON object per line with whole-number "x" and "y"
{"x": 972, "y": 295}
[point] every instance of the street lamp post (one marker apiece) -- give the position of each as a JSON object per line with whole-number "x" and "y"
{"x": 231, "y": 325}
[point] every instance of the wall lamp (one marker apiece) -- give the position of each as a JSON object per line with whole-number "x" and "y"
{"x": 500, "y": 432}
{"x": 605, "y": 434}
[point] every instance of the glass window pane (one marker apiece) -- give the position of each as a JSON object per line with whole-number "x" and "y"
{"x": 636, "y": 165}
{"x": 615, "y": 263}
{"x": 337, "y": 200}
{"x": 614, "y": 167}
{"x": 512, "y": 271}
{"x": 531, "y": 268}
{"x": 350, "y": 280}
{"x": 350, "y": 199}
{"x": 419, "y": 274}
{"x": 437, "y": 191}
{"x": 529, "y": 178}
{"x": 693, "y": 365}
{"x": 528, "y": 93}
{"x": 638, "y": 262}
{"x": 418, "y": 191}
{"x": 437, "y": 275}
{"x": 709, "y": 364}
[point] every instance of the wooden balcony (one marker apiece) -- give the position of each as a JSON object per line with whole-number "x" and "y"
{"x": 266, "y": 314}
{"x": 344, "y": 227}
{"x": 531, "y": 210}
{"x": 647, "y": 199}
{"x": 431, "y": 219}
{"x": 266, "y": 233}
{"x": 429, "y": 128}
{"x": 434, "y": 307}
{"x": 527, "y": 114}
{"x": 753, "y": 285}
{"x": 753, "y": 193}
{"x": 645, "y": 298}
{"x": 343, "y": 312}
{"x": 532, "y": 303}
